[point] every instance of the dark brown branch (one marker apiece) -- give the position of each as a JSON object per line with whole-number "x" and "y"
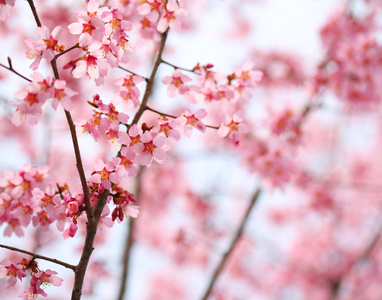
{"x": 10, "y": 68}
{"x": 129, "y": 242}
{"x": 150, "y": 81}
{"x": 53, "y": 260}
{"x": 66, "y": 51}
{"x": 180, "y": 68}
{"x": 234, "y": 242}
{"x": 91, "y": 230}
{"x": 34, "y": 11}
{"x": 77, "y": 152}
{"x": 131, "y": 72}
{"x": 336, "y": 285}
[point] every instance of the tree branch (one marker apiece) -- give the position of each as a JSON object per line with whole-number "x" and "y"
{"x": 131, "y": 72}
{"x": 53, "y": 260}
{"x": 10, "y": 68}
{"x": 150, "y": 81}
{"x": 91, "y": 230}
{"x": 239, "y": 232}
{"x": 129, "y": 242}
{"x": 180, "y": 68}
{"x": 34, "y": 11}
{"x": 76, "y": 147}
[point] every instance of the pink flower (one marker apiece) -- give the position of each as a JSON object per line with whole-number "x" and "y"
{"x": 71, "y": 230}
{"x": 246, "y": 75}
{"x": 62, "y": 95}
{"x": 150, "y": 148}
{"x": 89, "y": 24}
{"x": 93, "y": 66}
{"x": 127, "y": 161}
{"x": 128, "y": 93}
{"x": 46, "y": 47}
{"x": 170, "y": 17}
{"x": 31, "y": 105}
{"x": 232, "y": 127}
{"x": 42, "y": 278}
{"x": 176, "y": 83}
{"x": 107, "y": 173}
{"x": 167, "y": 127}
{"x": 13, "y": 272}
{"x": 190, "y": 120}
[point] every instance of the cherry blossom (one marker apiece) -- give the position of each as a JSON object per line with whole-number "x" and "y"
{"x": 190, "y": 120}
{"x": 170, "y": 17}
{"x": 233, "y": 127}
{"x": 46, "y": 47}
{"x": 176, "y": 83}
{"x": 12, "y": 271}
{"x": 107, "y": 173}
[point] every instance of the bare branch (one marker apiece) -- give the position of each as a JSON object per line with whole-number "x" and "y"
{"x": 239, "y": 232}
{"x": 53, "y": 260}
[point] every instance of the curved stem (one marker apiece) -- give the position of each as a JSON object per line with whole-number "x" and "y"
{"x": 77, "y": 152}
{"x": 129, "y": 243}
{"x": 10, "y": 68}
{"x": 34, "y": 11}
{"x": 131, "y": 72}
{"x": 53, "y": 260}
{"x": 91, "y": 230}
{"x": 150, "y": 81}
{"x": 239, "y": 232}
{"x": 180, "y": 68}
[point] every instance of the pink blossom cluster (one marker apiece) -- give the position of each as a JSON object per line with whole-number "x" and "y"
{"x": 128, "y": 93}
{"x": 353, "y": 67}
{"x": 37, "y": 93}
{"x": 105, "y": 121}
{"x": 227, "y": 92}
{"x": 38, "y": 279}
{"x": 165, "y": 13}
{"x": 30, "y": 195}
{"x": 103, "y": 37}
{"x": 45, "y": 47}
{"x": 269, "y": 161}
{"x": 280, "y": 69}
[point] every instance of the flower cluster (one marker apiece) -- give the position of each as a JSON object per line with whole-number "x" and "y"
{"x": 38, "y": 278}
{"x": 105, "y": 121}
{"x": 353, "y": 65}
{"x": 102, "y": 35}
{"x": 166, "y": 14}
{"x": 37, "y": 93}
{"x": 46, "y": 47}
{"x": 128, "y": 93}
{"x": 28, "y": 195}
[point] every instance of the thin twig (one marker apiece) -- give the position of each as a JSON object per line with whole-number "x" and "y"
{"x": 53, "y": 260}
{"x": 234, "y": 242}
{"x": 91, "y": 230}
{"x": 336, "y": 285}
{"x": 133, "y": 73}
{"x": 129, "y": 242}
{"x": 77, "y": 152}
{"x": 173, "y": 117}
{"x": 150, "y": 81}
{"x": 66, "y": 51}
{"x": 10, "y": 68}
{"x": 34, "y": 11}
{"x": 180, "y": 68}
